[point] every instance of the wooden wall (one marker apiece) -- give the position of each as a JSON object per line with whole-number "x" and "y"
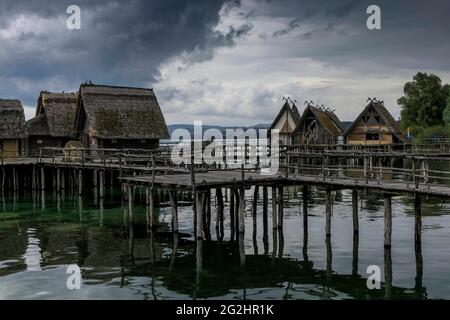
{"x": 358, "y": 134}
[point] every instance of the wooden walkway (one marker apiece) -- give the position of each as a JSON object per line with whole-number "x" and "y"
{"x": 231, "y": 179}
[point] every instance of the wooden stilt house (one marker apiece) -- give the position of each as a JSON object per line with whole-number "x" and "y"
{"x": 13, "y": 129}
{"x": 54, "y": 123}
{"x": 374, "y": 126}
{"x": 286, "y": 121}
{"x": 317, "y": 125}
{"x": 119, "y": 117}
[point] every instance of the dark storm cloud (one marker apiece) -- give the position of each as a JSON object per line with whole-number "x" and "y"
{"x": 120, "y": 41}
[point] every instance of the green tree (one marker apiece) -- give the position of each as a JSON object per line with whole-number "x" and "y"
{"x": 446, "y": 114}
{"x": 424, "y": 101}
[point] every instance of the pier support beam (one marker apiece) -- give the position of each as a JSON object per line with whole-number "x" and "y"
{"x": 328, "y": 213}
{"x": 42, "y": 179}
{"x": 151, "y": 209}
{"x": 80, "y": 182}
{"x": 219, "y": 216}
{"x": 232, "y": 218}
{"x": 355, "y": 211}
{"x": 265, "y": 222}
{"x": 305, "y": 207}
{"x": 280, "y": 207}
{"x": 255, "y": 208}
{"x": 417, "y": 218}
{"x": 241, "y": 210}
{"x": 58, "y": 180}
{"x": 199, "y": 196}
{"x": 174, "y": 204}
{"x": 102, "y": 183}
{"x": 130, "y": 203}
{"x": 274, "y": 208}
{"x": 387, "y": 220}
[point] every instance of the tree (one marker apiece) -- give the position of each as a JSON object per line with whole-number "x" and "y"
{"x": 424, "y": 101}
{"x": 446, "y": 114}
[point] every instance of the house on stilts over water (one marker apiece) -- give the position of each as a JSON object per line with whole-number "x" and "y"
{"x": 374, "y": 126}
{"x": 286, "y": 121}
{"x": 118, "y": 117}
{"x": 318, "y": 125}
{"x": 13, "y": 129}
{"x": 54, "y": 123}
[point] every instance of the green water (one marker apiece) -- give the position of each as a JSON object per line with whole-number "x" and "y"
{"x": 39, "y": 239}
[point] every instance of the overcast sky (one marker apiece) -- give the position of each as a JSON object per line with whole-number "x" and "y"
{"x": 225, "y": 62}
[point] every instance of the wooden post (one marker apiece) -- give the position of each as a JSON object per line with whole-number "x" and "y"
{"x": 33, "y": 178}
{"x": 265, "y": 222}
{"x": 305, "y": 206}
{"x": 151, "y": 209}
{"x": 80, "y": 182}
{"x": 58, "y": 180}
{"x": 94, "y": 178}
{"x": 274, "y": 208}
{"x": 130, "y": 203}
{"x": 102, "y": 182}
{"x": 14, "y": 177}
{"x": 219, "y": 218}
{"x": 387, "y": 273}
{"x": 387, "y": 220}
{"x": 418, "y": 218}
{"x": 328, "y": 213}
{"x": 207, "y": 210}
{"x": 232, "y": 218}
{"x": 63, "y": 179}
{"x": 199, "y": 206}
{"x": 242, "y": 203}
{"x": 255, "y": 207}
{"x": 355, "y": 211}
{"x": 280, "y": 207}
{"x": 42, "y": 179}
{"x": 173, "y": 202}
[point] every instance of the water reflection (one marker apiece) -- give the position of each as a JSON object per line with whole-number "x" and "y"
{"x": 296, "y": 262}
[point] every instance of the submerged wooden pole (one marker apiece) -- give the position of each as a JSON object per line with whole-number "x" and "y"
{"x": 417, "y": 218}
{"x": 274, "y": 208}
{"x": 199, "y": 208}
{"x": 58, "y": 180}
{"x": 328, "y": 213}
{"x": 355, "y": 211}
{"x": 232, "y": 218}
{"x": 280, "y": 207}
{"x": 130, "y": 203}
{"x": 387, "y": 220}
{"x": 42, "y": 179}
{"x": 80, "y": 182}
{"x": 174, "y": 204}
{"x": 102, "y": 183}
{"x": 265, "y": 220}
{"x": 255, "y": 207}
{"x": 305, "y": 206}
{"x": 242, "y": 203}
{"x": 219, "y": 216}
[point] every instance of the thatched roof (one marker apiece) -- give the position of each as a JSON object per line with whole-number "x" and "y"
{"x": 12, "y": 120}
{"x": 38, "y": 126}
{"x": 385, "y": 115}
{"x": 327, "y": 119}
{"x": 121, "y": 112}
{"x": 60, "y": 111}
{"x": 295, "y": 113}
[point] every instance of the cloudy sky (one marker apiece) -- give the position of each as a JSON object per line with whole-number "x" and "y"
{"x": 225, "y": 62}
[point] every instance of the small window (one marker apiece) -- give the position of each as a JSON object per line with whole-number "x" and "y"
{"x": 113, "y": 140}
{"x": 372, "y": 136}
{"x": 39, "y": 141}
{"x": 142, "y": 140}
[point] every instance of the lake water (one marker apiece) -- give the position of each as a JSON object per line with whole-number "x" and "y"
{"x": 38, "y": 242}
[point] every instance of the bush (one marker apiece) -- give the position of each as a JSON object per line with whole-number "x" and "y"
{"x": 434, "y": 133}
